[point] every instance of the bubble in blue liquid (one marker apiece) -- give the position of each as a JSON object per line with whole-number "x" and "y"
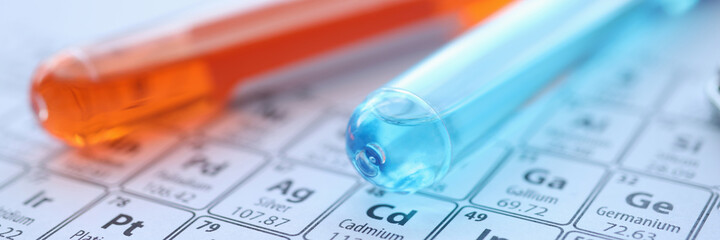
{"x": 368, "y": 161}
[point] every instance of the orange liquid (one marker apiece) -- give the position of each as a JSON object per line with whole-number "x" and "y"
{"x": 105, "y": 91}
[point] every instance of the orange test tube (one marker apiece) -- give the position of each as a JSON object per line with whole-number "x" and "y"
{"x": 104, "y": 91}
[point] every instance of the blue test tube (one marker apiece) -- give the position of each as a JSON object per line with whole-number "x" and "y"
{"x": 406, "y": 135}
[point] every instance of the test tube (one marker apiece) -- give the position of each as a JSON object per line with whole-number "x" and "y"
{"x": 183, "y": 70}
{"x": 406, "y": 135}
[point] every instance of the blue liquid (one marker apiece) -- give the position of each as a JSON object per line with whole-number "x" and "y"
{"x": 408, "y": 134}
{"x": 403, "y": 144}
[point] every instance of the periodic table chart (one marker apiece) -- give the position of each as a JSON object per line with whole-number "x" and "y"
{"x": 625, "y": 148}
